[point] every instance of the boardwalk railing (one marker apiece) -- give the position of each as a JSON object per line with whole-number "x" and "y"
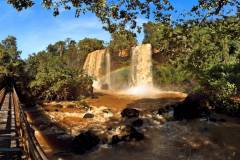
{"x": 2, "y": 94}
{"x": 31, "y": 147}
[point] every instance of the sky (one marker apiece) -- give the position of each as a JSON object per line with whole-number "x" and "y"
{"x": 36, "y": 27}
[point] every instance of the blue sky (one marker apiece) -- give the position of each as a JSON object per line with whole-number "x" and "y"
{"x": 36, "y": 27}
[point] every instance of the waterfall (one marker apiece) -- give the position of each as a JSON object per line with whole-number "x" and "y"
{"x": 141, "y": 66}
{"x": 108, "y": 69}
{"x": 97, "y": 65}
{"x": 141, "y": 77}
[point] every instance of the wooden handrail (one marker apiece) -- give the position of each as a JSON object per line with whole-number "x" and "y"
{"x": 30, "y": 144}
{"x": 2, "y": 96}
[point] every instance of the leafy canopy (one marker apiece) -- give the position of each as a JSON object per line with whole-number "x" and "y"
{"x": 119, "y": 13}
{"x": 56, "y": 73}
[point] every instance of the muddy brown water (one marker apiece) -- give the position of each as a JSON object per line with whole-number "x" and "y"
{"x": 193, "y": 140}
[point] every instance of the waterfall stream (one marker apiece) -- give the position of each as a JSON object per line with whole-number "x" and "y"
{"x": 141, "y": 66}
{"x": 97, "y": 65}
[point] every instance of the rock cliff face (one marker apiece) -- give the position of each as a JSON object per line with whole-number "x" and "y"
{"x": 123, "y": 53}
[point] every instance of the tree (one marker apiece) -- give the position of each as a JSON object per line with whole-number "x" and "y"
{"x": 168, "y": 42}
{"x": 55, "y": 76}
{"x": 71, "y": 56}
{"x": 88, "y": 45}
{"x": 12, "y": 67}
{"x": 10, "y": 61}
{"x": 122, "y": 12}
{"x": 54, "y": 80}
{"x": 122, "y": 41}
{"x": 57, "y": 48}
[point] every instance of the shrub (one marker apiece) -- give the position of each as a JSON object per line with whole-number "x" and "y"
{"x": 170, "y": 75}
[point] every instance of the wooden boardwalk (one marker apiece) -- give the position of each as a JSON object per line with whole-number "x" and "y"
{"x": 9, "y": 140}
{"x": 17, "y": 139}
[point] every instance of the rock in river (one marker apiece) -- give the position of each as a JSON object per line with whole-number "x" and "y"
{"x": 84, "y": 142}
{"x": 137, "y": 123}
{"x": 88, "y": 115}
{"x": 130, "y": 113}
{"x": 194, "y": 106}
{"x": 134, "y": 134}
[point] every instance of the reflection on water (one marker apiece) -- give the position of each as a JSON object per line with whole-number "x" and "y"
{"x": 195, "y": 140}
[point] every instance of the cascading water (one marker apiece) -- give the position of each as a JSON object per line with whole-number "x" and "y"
{"x": 141, "y": 67}
{"x": 108, "y": 69}
{"x": 98, "y": 65}
{"x": 141, "y": 77}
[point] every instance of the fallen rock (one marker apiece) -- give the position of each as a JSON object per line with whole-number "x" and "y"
{"x": 88, "y": 115}
{"x": 130, "y": 113}
{"x": 194, "y": 106}
{"x": 84, "y": 142}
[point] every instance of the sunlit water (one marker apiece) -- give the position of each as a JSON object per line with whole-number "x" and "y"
{"x": 195, "y": 140}
{"x": 142, "y": 91}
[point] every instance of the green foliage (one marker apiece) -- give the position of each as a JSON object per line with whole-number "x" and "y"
{"x": 57, "y": 76}
{"x": 54, "y": 80}
{"x": 223, "y": 80}
{"x": 170, "y": 75}
{"x": 168, "y": 42}
{"x": 10, "y": 62}
{"x": 126, "y": 13}
{"x": 12, "y": 67}
{"x": 207, "y": 53}
{"x": 122, "y": 40}
{"x": 227, "y": 106}
{"x": 111, "y": 13}
{"x": 88, "y": 45}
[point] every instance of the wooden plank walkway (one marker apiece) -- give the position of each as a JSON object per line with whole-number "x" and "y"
{"x": 9, "y": 140}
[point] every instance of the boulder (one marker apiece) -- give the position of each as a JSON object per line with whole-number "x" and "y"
{"x": 166, "y": 109}
{"x": 136, "y": 135}
{"x": 161, "y": 111}
{"x": 88, "y": 115}
{"x": 137, "y": 123}
{"x": 194, "y": 106}
{"x": 115, "y": 139}
{"x": 84, "y": 142}
{"x": 130, "y": 113}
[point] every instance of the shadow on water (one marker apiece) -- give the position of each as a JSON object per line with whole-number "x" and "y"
{"x": 40, "y": 121}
